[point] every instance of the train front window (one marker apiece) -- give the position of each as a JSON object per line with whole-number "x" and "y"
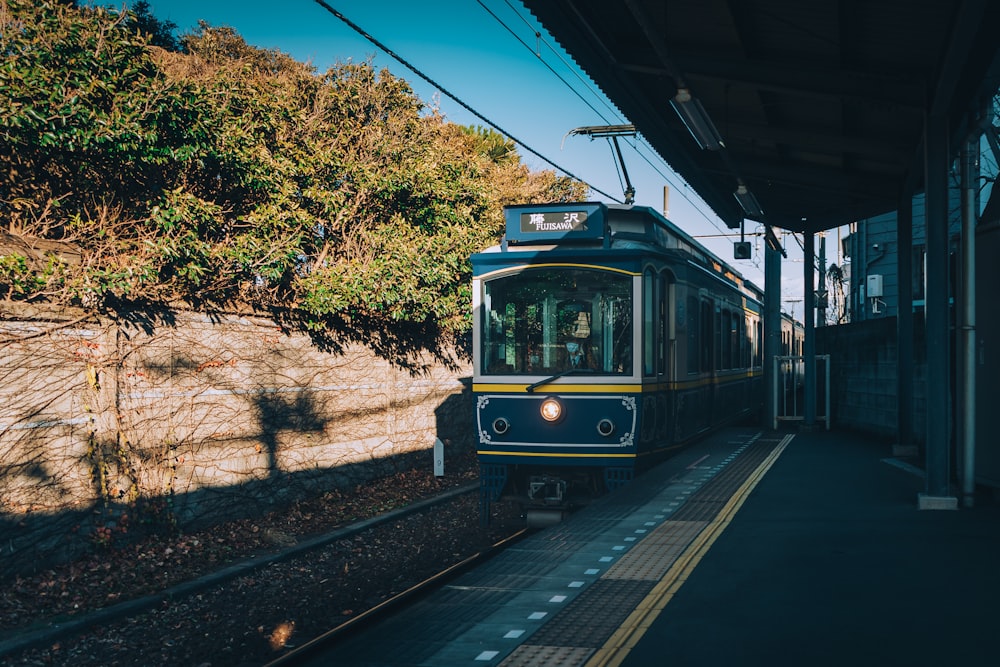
{"x": 550, "y": 320}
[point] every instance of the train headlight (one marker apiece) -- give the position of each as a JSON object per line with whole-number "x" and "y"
{"x": 551, "y": 410}
{"x": 605, "y": 427}
{"x": 501, "y": 425}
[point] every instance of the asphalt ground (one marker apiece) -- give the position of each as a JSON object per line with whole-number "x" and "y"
{"x": 748, "y": 548}
{"x": 828, "y": 561}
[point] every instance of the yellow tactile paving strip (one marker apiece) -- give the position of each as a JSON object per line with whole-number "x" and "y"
{"x": 615, "y": 650}
{"x": 605, "y": 621}
{"x": 549, "y": 656}
{"x": 650, "y": 559}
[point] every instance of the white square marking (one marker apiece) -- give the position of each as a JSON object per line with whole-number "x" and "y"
{"x": 557, "y": 598}
{"x": 620, "y": 547}
{"x": 576, "y": 584}
{"x": 593, "y": 570}
{"x": 606, "y": 559}
{"x": 487, "y": 655}
{"x": 631, "y": 539}
{"x": 513, "y": 634}
{"x": 538, "y": 615}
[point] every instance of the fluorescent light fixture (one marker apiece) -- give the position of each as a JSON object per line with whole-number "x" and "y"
{"x": 696, "y": 120}
{"x": 748, "y": 201}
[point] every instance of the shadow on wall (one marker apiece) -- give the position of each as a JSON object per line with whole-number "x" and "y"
{"x": 103, "y": 431}
{"x": 34, "y": 540}
{"x": 277, "y": 413}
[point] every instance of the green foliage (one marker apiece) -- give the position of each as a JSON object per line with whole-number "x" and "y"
{"x": 237, "y": 177}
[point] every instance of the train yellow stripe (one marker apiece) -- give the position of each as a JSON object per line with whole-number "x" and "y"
{"x": 561, "y": 388}
{"x": 558, "y": 455}
{"x": 497, "y": 387}
{"x": 522, "y": 267}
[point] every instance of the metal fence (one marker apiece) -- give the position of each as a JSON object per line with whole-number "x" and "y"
{"x": 789, "y": 389}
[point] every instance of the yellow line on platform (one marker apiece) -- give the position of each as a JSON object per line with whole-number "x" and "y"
{"x": 618, "y": 646}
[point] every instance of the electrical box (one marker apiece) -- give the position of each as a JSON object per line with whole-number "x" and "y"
{"x": 741, "y": 250}
{"x": 874, "y": 287}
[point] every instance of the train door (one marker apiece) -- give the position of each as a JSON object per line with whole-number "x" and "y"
{"x": 666, "y": 343}
{"x": 707, "y": 367}
{"x": 657, "y": 346}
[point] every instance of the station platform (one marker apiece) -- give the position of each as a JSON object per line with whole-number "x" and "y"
{"x": 749, "y": 548}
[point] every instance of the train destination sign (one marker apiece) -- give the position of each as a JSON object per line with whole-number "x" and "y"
{"x": 547, "y": 222}
{"x": 534, "y": 223}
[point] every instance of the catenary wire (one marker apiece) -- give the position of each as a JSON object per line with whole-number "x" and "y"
{"x": 682, "y": 190}
{"x": 358, "y": 29}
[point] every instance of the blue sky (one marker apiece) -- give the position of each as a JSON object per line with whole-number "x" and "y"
{"x": 486, "y": 53}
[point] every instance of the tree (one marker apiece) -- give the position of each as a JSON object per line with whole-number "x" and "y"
{"x": 836, "y": 279}
{"x": 160, "y": 33}
{"x": 231, "y": 177}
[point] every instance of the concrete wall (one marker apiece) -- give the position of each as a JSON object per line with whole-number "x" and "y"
{"x": 192, "y": 419}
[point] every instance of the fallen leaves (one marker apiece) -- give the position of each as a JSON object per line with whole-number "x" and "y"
{"x": 157, "y": 562}
{"x": 250, "y": 618}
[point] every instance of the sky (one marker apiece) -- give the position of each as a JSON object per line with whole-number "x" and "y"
{"x": 493, "y": 57}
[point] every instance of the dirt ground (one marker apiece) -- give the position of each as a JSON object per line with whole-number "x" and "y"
{"x": 254, "y": 618}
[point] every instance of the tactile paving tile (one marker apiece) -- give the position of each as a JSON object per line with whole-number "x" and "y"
{"x": 650, "y": 559}
{"x": 500, "y": 582}
{"x": 594, "y": 616}
{"x": 547, "y": 656}
{"x": 574, "y": 534}
{"x": 534, "y": 566}
{"x": 474, "y": 596}
{"x": 705, "y": 503}
{"x": 452, "y": 614}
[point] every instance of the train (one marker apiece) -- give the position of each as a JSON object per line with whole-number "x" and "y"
{"x": 604, "y": 338}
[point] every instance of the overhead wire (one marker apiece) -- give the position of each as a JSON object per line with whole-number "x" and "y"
{"x": 358, "y": 29}
{"x": 589, "y": 86}
{"x": 635, "y": 145}
{"x": 539, "y": 56}
{"x": 568, "y": 65}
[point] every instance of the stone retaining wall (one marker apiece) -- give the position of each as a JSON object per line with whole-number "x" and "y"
{"x": 193, "y": 419}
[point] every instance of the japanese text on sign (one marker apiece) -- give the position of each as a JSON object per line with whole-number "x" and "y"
{"x": 566, "y": 221}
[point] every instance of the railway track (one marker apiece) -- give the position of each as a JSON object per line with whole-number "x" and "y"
{"x": 230, "y": 616}
{"x": 314, "y": 648}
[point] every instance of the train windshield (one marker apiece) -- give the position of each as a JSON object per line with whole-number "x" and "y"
{"x": 550, "y": 320}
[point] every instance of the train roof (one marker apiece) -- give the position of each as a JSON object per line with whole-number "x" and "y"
{"x": 596, "y": 224}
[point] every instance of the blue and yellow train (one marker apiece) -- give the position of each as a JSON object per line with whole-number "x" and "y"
{"x": 604, "y": 337}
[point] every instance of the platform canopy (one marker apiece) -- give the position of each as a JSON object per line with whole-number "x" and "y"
{"x": 818, "y": 106}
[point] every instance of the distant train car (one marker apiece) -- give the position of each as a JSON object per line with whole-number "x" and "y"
{"x": 791, "y": 371}
{"x": 604, "y": 336}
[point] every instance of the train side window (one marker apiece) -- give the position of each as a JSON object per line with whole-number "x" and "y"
{"x": 734, "y": 339}
{"x": 706, "y": 336}
{"x": 648, "y": 322}
{"x": 661, "y": 325}
{"x": 746, "y": 337}
{"x": 717, "y": 329}
{"x": 758, "y": 351}
{"x": 692, "y": 321}
{"x": 727, "y": 338}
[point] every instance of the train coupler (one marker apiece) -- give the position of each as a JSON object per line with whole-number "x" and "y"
{"x": 546, "y": 489}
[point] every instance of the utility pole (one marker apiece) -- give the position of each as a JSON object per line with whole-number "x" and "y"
{"x": 822, "y": 294}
